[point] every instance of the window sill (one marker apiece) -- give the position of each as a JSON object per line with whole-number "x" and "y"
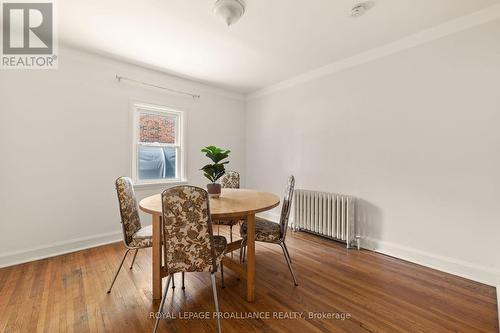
{"x": 161, "y": 184}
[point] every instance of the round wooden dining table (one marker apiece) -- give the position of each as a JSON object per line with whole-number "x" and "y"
{"x": 232, "y": 204}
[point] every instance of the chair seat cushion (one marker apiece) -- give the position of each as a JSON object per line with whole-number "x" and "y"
{"x": 226, "y": 222}
{"x": 143, "y": 237}
{"x": 220, "y": 243}
{"x": 265, "y": 231}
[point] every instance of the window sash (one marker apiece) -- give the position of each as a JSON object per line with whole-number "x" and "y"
{"x": 157, "y": 144}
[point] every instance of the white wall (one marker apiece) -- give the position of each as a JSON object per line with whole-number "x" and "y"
{"x": 414, "y": 135}
{"x": 66, "y": 136}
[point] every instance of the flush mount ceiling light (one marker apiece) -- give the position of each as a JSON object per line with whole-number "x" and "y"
{"x": 230, "y": 11}
{"x": 360, "y": 8}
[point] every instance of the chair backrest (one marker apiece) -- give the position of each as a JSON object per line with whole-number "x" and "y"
{"x": 287, "y": 204}
{"x": 187, "y": 230}
{"x": 128, "y": 208}
{"x": 231, "y": 179}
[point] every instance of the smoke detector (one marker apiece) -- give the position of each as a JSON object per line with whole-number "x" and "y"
{"x": 229, "y": 11}
{"x": 361, "y": 7}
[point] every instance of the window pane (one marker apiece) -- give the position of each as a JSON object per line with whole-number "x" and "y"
{"x": 157, "y": 162}
{"x": 156, "y": 128}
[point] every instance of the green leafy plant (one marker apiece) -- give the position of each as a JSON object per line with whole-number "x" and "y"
{"x": 216, "y": 170}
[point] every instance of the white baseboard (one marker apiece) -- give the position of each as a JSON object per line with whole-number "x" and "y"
{"x": 453, "y": 266}
{"x": 57, "y": 248}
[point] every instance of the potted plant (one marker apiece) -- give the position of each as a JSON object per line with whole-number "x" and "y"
{"x": 216, "y": 170}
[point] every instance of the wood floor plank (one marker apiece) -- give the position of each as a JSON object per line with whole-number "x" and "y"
{"x": 380, "y": 293}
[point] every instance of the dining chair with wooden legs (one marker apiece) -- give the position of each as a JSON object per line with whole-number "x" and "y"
{"x": 188, "y": 241}
{"x": 271, "y": 232}
{"x": 135, "y": 236}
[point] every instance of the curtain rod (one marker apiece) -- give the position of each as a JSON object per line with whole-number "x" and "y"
{"x": 194, "y": 96}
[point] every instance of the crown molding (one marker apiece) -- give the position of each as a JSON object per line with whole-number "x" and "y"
{"x": 454, "y": 26}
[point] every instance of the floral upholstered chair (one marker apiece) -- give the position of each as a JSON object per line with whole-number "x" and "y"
{"x": 271, "y": 232}
{"x": 189, "y": 245}
{"x": 135, "y": 236}
{"x": 231, "y": 179}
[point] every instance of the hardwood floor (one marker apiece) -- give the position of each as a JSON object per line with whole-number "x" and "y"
{"x": 381, "y": 294}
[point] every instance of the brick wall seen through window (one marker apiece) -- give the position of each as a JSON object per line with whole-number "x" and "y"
{"x": 156, "y": 128}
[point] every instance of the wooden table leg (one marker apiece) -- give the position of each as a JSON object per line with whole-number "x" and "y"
{"x": 251, "y": 257}
{"x": 156, "y": 257}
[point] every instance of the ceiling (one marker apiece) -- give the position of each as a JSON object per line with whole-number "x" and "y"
{"x": 275, "y": 40}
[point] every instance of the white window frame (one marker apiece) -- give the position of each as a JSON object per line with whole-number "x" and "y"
{"x": 180, "y": 167}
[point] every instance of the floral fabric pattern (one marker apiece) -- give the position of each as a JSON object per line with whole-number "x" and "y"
{"x": 231, "y": 179}
{"x": 143, "y": 237}
{"x": 225, "y": 222}
{"x": 220, "y": 243}
{"x": 141, "y": 242}
{"x": 128, "y": 208}
{"x": 287, "y": 204}
{"x": 188, "y": 242}
{"x": 265, "y": 231}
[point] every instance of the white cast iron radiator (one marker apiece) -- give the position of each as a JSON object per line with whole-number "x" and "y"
{"x": 329, "y": 215}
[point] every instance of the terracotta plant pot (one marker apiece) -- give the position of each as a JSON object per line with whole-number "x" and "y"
{"x": 213, "y": 190}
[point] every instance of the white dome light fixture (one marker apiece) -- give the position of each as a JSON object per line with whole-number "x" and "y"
{"x": 230, "y": 11}
{"x": 361, "y": 8}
